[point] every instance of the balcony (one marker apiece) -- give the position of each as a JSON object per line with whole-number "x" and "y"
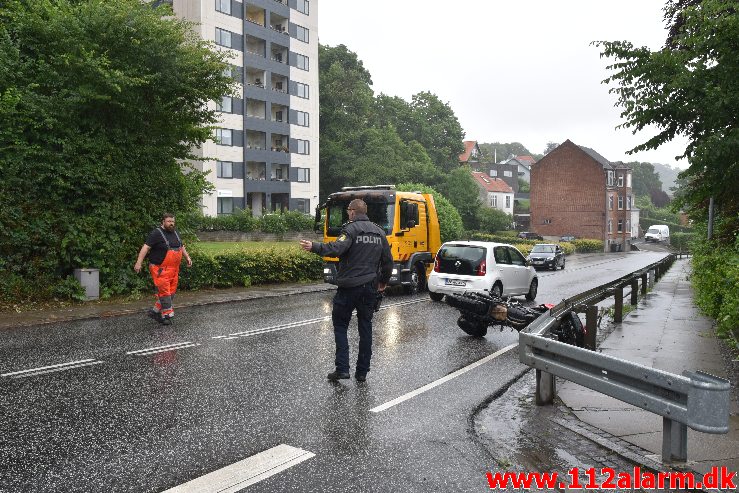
{"x": 255, "y": 15}
{"x": 278, "y": 23}
{"x": 255, "y": 46}
{"x": 279, "y": 83}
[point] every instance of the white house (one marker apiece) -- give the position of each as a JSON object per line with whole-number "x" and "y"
{"x": 494, "y": 192}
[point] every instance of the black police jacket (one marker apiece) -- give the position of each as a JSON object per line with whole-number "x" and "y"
{"x": 363, "y": 252}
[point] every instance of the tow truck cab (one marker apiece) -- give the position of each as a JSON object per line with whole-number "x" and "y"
{"x": 410, "y": 222}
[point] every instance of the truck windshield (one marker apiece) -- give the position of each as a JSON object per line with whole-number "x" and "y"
{"x": 380, "y": 213}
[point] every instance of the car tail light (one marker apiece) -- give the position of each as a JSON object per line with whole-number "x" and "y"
{"x": 436, "y": 265}
{"x": 482, "y": 268}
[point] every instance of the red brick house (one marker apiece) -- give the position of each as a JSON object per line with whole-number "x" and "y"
{"x": 575, "y": 190}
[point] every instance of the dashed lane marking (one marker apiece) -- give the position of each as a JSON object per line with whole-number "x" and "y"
{"x": 51, "y": 368}
{"x": 162, "y": 349}
{"x": 247, "y": 472}
{"x": 440, "y": 381}
{"x": 300, "y": 323}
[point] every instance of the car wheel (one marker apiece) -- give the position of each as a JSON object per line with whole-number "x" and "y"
{"x": 472, "y": 328}
{"x": 563, "y": 264}
{"x": 497, "y": 290}
{"x": 533, "y": 288}
{"x": 436, "y": 296}
{"x": 554, "y": 266}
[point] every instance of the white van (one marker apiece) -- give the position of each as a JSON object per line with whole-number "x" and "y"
{"x": 657, "y": 232}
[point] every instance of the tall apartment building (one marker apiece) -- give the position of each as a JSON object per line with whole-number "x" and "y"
{"x": 266, "y": 148}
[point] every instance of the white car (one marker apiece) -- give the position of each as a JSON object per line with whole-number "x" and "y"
{"x": 497, "y": 269}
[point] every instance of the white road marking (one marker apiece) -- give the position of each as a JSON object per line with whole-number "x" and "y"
{"x": 247, "y": 472}
{"x": 300, "y": 323}
{"x": 162, "y": 349}
{"x": 445, "y": 379}
{"x": 51, "y": 368}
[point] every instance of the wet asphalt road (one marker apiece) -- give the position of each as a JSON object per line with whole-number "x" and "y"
{"x": 245, "y": 377}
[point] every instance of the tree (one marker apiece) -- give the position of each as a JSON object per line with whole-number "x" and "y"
{"x": 688, "y": 88}
{"x": 101, "y": 104}
{"x": 499, "y": 152}
{"x": 436, "y": 128}
{"x": 463, "y": 192}
{"x": 523, "y": 186}
{"x": 491, "y": 220}
{"x": 346, "y": 102}
{"x": 644, "y": 179}
{"x": 550, "y": 147}
{"x": 450, "y": 222}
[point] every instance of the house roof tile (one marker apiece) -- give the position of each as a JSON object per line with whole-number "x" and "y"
{"x": 491, "y": 184}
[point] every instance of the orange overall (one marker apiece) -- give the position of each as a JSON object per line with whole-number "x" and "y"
{"x": 165, "y": 276}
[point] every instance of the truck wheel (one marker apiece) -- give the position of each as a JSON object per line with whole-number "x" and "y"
{"x": 531, "y": 295}
{"x": 418, "y": 279}
{"x": 475, "y": 329}
{"x": 436, "y": 296}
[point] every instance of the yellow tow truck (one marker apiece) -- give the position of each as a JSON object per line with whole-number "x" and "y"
{"x": 411, "y": 225}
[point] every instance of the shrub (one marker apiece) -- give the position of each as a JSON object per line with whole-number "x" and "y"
{"x": 244, "y": 268}
{"x": 588, "y": 246}
{"x": 273, "y": 223}
{"x": 297, "y": 221}
{"x": 681, "y": 241}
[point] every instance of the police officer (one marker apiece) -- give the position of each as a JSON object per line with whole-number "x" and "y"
{"x": 365, "y": 265}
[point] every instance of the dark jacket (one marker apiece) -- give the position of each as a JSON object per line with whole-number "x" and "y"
{"x": 363, "y": 253}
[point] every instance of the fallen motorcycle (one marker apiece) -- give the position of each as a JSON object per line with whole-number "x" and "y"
{"x": 480, "y": 311}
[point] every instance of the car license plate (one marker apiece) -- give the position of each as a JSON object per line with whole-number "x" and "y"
{"x": 455, "y": 282}
{"x": 538, "y": 262}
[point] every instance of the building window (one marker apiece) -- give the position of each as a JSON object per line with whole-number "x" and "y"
{"x": 508, "y": 173}
{"x": 628, "y": 226}
{"x": 493, "y": 172}
{"x": 507, "y": 201}
{"x": 223, "y": 37}
{"x": 610, "y": 202}
{"x": 610, "y": 178}
{"x": 303, "y": 6}
{"x": 225, "y": 205}
{"x": 225, "y": 169}
{"x": 224, "y": 136}
{"x": 302, "y": 205}
{"x": 547, "y": 221}
{"x": 234, "y": 72}
{"x": 610, "y": 226}
{"x": 302, "y": 90}
{"x": 302, "y": 119}
{"x": 628, "y": 203}
{"x": 620, "y": 202}
{"x": 494, "y": 201}
{"x": 223, "y": 6}
{"x": 302, "y": 62}
{"x": 226, "y": 105}
{"x": 304, "y": 175}
{"x": 620, "y": 226}
{"x": 620, "y": 180}
{"x": 303, "y": 147}
{"x": 628, "y": 180}
{"x": 302, "y": 33}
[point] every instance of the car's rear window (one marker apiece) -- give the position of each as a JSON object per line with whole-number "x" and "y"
{"x": 460, "y": 259}
{"x": 542, "y": 249}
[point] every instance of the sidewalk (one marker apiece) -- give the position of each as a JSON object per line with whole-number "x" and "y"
{"x": 666, "y": 332}
{"x": 102, "y": 308}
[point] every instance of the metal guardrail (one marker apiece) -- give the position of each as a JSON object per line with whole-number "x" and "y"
{"x": 694, "y": 399}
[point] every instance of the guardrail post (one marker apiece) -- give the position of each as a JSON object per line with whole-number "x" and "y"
{"x": 651, "y": 278}
{"x": 591, "y": 326}
{"x": 674, "y": 441}
{"x": 618, "y": 315}
{"x": 634, "y": 292}
{"x": 644, "y": 283}
{"x": 546, "y": 388}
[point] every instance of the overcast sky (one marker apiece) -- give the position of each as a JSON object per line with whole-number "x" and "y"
{"x": 512, "y": 70}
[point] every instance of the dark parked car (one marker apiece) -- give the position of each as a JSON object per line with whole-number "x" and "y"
{"x": 528, "y": 235}
{"x": 567, "y": 238}
{"x": 547, "y": 255}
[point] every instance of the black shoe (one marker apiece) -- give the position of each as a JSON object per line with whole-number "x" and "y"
{"x": 360, "y": 377}
{"x": 153, "y": 314}
{"x": 166, "y": 321}
{"x": 337, "y": 375}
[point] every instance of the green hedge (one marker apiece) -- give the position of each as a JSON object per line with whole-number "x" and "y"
{"x": 580, "y": 246}
{"x": 588, "y": 246}
{"x": 245, "y": 268}
{"x": 243, "y": 221}
{"x": 681, "y": 241}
